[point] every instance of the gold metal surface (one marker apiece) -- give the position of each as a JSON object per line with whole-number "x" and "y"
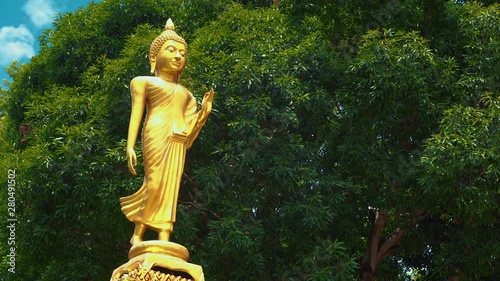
{"x": 164, "y": 247}
{"x": 171, "y": 125}
{"x": 146, "y": 255}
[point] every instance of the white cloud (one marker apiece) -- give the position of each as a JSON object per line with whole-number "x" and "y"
{"x": 40, "y": 12}
{"x": 15, "y": 43}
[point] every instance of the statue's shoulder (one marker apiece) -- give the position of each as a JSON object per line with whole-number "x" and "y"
{"x": 143, "y": 81}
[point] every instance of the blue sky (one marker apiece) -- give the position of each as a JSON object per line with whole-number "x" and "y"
{"x": 22, "y": 21}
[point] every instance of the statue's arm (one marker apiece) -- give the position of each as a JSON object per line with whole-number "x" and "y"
{"x": 137, "y": 92}
{"x": 202, "y": 115}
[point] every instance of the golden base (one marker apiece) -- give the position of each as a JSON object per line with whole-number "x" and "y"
{"x": 148, "y": 254}
{"x": 151, "y": 275}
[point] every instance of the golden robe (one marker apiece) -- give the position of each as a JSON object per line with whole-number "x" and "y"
{"x": 164, "y": 153}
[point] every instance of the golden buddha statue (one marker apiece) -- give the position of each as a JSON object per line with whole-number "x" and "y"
{"x": 170, "y": 127}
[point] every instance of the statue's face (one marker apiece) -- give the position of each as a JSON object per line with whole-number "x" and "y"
{"x": 171, "y": 58}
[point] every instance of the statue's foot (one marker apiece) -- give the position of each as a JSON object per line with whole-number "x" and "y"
{"x": 138, "y": 232}
{"x": 135, "y": 240}
{"x": 164, "y": 235}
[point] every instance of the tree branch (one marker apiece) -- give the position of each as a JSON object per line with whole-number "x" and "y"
{"x": 388, "y": 245}
{"x": 378, "y": 225}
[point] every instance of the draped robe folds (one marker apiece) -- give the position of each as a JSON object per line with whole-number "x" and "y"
{"x": 164, "y": 153}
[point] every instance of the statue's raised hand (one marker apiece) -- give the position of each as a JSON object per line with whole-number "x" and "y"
{"x": 206, "y": 104}
{"x": 131, "y": 160}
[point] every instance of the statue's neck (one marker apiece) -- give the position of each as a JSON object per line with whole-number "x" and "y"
{"x": 166, "y": 76}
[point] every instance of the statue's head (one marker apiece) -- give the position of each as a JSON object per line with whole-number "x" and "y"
{"x": 168, "y": 41}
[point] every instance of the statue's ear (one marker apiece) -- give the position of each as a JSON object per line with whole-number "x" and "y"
{"x": 152, "y": 62}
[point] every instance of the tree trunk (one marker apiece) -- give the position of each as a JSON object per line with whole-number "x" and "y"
{"x": 369, "y": 262}
{"x": 376, "y": 252}
{"x": 367, "y": 276}
{"x": 455, "y": 277}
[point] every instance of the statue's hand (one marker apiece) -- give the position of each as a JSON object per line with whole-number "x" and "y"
{"x": 206, "y": 104}
{"x": 131, "y": 160}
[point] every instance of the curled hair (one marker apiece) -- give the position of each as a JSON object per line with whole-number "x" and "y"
{"x": 168, "y": 34}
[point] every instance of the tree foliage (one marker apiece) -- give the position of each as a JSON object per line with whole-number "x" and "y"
{"x": 349, "y": 140}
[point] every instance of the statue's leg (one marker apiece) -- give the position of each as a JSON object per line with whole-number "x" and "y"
{"x": 164, "y": 235}
{"x": 139, "y": 230}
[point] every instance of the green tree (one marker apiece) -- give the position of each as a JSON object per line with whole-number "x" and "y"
{"x": 460, "y": 177}
{"x": 271, "y": 210}
{"x": 71, "y": 156}
{"x": 65, "y": 117}
{"x": 346, "y": 137}
{"x": 458, "y": 170}
{"x": 397, "y": 88}
{"x": 395, "y": 91}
